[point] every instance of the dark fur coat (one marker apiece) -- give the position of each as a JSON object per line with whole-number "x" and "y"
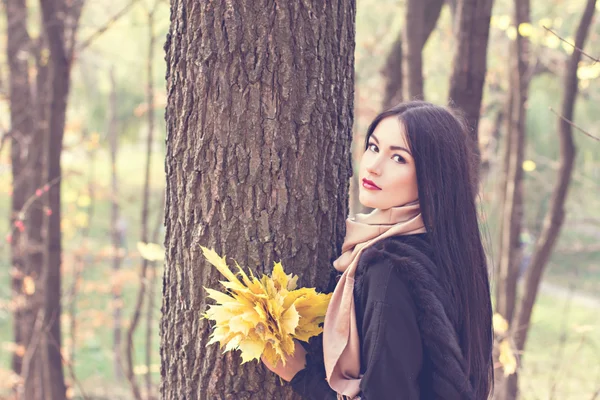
{"x": 429, "y": 363}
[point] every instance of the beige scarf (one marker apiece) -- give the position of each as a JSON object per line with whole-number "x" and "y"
{"x": 341, "y": 347}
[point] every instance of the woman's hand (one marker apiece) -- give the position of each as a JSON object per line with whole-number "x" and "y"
{"x": 293, "y": 364}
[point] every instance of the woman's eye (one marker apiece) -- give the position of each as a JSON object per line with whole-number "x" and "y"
{"x": 398, "y": 159}
{"x": 373, "y": 147}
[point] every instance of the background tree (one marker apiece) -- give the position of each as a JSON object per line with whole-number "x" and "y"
{"x": 60, "y": 21}
{"x": 116, "y": 227}
{"x": 509, "y": 258}
{"x": 393, "y": 70}
{"x": 145, "y": 231}
{"x": 38, "y": 118}
{"x": 24, "y": 138}
{"x": 470, "y": 59}
{"x": 258, "y": 168}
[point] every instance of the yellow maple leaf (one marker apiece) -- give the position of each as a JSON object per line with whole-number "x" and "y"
{"x": 262, "y": 317}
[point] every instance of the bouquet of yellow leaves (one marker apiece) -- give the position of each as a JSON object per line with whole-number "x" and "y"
{"x": 263, "y": 317}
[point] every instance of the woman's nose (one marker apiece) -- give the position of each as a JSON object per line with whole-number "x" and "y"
{"x": 374, "y": 166}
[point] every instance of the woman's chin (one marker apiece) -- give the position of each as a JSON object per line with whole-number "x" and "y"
{"x": 366, "y": 201}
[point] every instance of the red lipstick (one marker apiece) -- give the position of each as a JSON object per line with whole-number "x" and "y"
{"x": 367, "y": 184}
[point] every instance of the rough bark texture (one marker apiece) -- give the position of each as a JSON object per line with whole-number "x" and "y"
{"x": 393, "y": 66}
{"x": 556, "y": 212}
{"x": 470, "y": 60}
{"x": 259, "y": 119}
{"x": 510, "y": 253}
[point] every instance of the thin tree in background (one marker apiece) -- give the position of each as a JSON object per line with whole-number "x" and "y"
{"x": 149, "y": 143}
{"x": 116, "y": 227}
{"x": 37, "y": 121}
{"x": 259, "y": 124}
{"x": 144, "y": 233}
{"x": 60, "y": 21}
{"x": 470, "y": 60}
{"x": 392, "y": 71}
{"x": 512, "y": 207}
{"x": 412, "y": 57}
{"x": 24, "y": 138}
{"x": 555, "y": 215}
{"x": 150, "y": 323}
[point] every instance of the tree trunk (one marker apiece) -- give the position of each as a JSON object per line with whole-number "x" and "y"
{"x": 54, "y": 15}
{"x": 23, "y": 132}
{"x": 393, "y": 67}
{"x": 392, "y": 73}
{"x": 510, "y": 253}
{"x": 512, "y": 199}
{"x": 556, "y": 212}
{"x": 259, "y": 124}
{"x": 412, "y": 61}
{"x": 470, "y": 61}
{"x": 117, "y": 231}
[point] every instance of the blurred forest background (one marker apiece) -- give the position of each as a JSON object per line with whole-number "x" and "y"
{"x": 113, "y": 183}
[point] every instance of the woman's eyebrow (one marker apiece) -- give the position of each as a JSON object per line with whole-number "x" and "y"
{"x": 391, "y": 147}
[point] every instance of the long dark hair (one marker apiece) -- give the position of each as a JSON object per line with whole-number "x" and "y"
{"x": 444, "y": 155}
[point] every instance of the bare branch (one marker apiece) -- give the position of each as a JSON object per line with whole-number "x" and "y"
{"x": 108, "y": 24}
{"x": 572, "y": 45}
{"x": 574, "y": 126}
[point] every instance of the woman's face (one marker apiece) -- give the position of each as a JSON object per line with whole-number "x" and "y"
{"x": 387, "y": 174}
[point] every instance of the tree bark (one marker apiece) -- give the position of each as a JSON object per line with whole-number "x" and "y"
{"x": 412, "y": 60}
{"x": 510, "y": 254}
{"x": 556, "y": 212}
{"x": 259, "y": 124}
{"x": 470, "y": 61}
{"x": 23, "y": 131}
{"x": 393, "y": 66}
{"x": 54, "y": 16}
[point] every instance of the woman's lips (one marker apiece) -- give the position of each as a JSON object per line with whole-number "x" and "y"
{"x": 367, "y": 184}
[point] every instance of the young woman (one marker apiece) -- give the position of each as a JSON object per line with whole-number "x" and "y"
{"x": 410, "y": 317}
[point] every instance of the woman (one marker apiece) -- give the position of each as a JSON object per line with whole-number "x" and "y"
{"x": 410, "y": 317}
